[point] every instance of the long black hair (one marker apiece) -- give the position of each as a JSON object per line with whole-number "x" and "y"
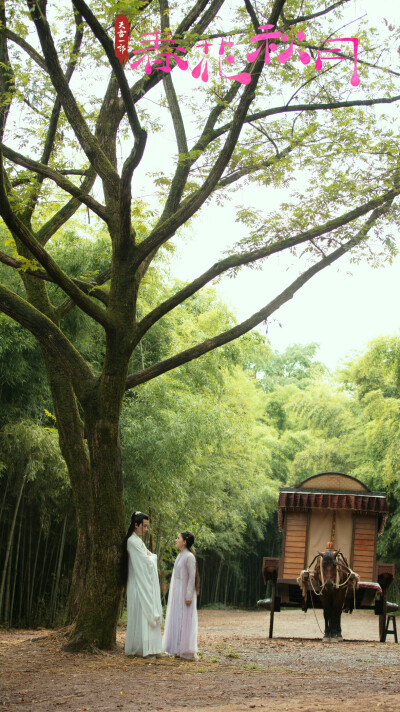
{"x": 136, "y": 518}
{"x": 188, "y": 537}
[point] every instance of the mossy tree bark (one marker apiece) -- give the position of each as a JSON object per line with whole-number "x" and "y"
{"x": 99, "y": 603}
{"x": 75, "y": 452}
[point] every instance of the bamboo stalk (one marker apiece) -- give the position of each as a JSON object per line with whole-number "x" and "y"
{"x": 50, "y": 570}
{"x": 228, "y": 568}
{"x": 217, "y": 581}
{"x": 44, "y": 558}
{"x": 15, "y": 571}
{"x": 9, "y": 543}
{"x": 34, "y": 572}
{"x": 235, "y": 590}
{"x": 4, "y": 499}
{"x": 28, "y": 610}
{"x": 7, "y": 588}
{"x": 53, "y": 607}
{"x": 22, "y": 577}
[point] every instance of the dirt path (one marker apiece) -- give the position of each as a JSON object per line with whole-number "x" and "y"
{"x": 239, "y": 669}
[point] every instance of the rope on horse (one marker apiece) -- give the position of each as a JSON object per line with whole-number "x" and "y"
{"x": 315, "y": 614}
{"x": 308, "y": 575}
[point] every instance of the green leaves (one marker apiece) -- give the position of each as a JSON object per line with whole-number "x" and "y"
{"x": 28, "y": 264}
{"x": 195, "y": 452}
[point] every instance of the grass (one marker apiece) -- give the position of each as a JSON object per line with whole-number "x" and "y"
{"x": 227, "y": 651}
{"x": 253, "y": 666}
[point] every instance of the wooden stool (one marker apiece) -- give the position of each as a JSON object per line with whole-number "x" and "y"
{"x": 394, "y": 628}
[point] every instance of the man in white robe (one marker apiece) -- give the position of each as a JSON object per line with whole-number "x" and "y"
{"x": 143, "y": 633}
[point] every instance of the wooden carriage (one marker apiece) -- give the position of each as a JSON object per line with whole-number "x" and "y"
{"x": 334, "y": 507}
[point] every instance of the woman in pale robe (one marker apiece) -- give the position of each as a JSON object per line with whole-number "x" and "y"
{"x": 143, "y": 632}
{"x": 180, "y": 632}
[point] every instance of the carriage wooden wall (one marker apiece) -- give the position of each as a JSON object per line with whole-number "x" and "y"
{"x": 362, "y": 515}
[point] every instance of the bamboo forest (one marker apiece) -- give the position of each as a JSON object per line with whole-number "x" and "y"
{"x": 216, "y": 441}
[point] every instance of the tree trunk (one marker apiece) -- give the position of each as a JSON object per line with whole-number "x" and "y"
{"x": 96, "y": 621}
{"x": 71, "y": 437}
{"x": 89, "y": 442}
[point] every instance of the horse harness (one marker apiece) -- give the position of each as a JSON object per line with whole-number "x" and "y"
{"x": 341, "y": 567}
{"x": 309, "y": 575}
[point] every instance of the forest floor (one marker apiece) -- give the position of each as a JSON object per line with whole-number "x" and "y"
{"x": 238, "y": 669}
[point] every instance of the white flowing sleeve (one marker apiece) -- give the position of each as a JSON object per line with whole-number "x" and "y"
{"x": 191, "y": 571}
{"x": 146, "y": 580}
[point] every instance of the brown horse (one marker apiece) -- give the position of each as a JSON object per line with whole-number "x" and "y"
{"x": 332, "y": 581}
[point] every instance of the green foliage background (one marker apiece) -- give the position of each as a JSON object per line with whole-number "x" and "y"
{"x": 205, "y": 447}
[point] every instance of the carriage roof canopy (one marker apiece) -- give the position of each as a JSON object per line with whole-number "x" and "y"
{"x": 334, "y": 491}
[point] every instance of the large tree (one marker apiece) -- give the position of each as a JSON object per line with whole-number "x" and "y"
{"x": 61, "y": 150}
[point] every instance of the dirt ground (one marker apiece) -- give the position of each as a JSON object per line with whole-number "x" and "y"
{"x": 238, "y": 669}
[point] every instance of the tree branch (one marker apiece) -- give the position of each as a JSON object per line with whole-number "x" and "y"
{"x": 304, "y": 107}
{"x": 86, "y": 287}
{"x": 252, "y": 14}
{"x": 141, "y": 87}
{"x": 305, "y": 18}
{"x": 188, "y": 355}
{"x": 140, "y": 134}
{"x": 254, "y": 255}
{"x": 28, "y": 49}
{"x": 7, "y": 83}
{"x": 166, "y": 228}
{"x": 144, "y": 85}
{"x": 208, "y": 345}
{"x": 58, "y": 178}
{"x": 246, "y": 170}
{"x": 25, "y": 235}
{"x": 176, "y": 115}
{"x": 88, "y": 142}
{"x": 53, "y": 123}
{"x": 173, "y": 103}
{"x": 65, "y": 213}
{"x": 207, "y": 134}
{"x": 50, "y": 337}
